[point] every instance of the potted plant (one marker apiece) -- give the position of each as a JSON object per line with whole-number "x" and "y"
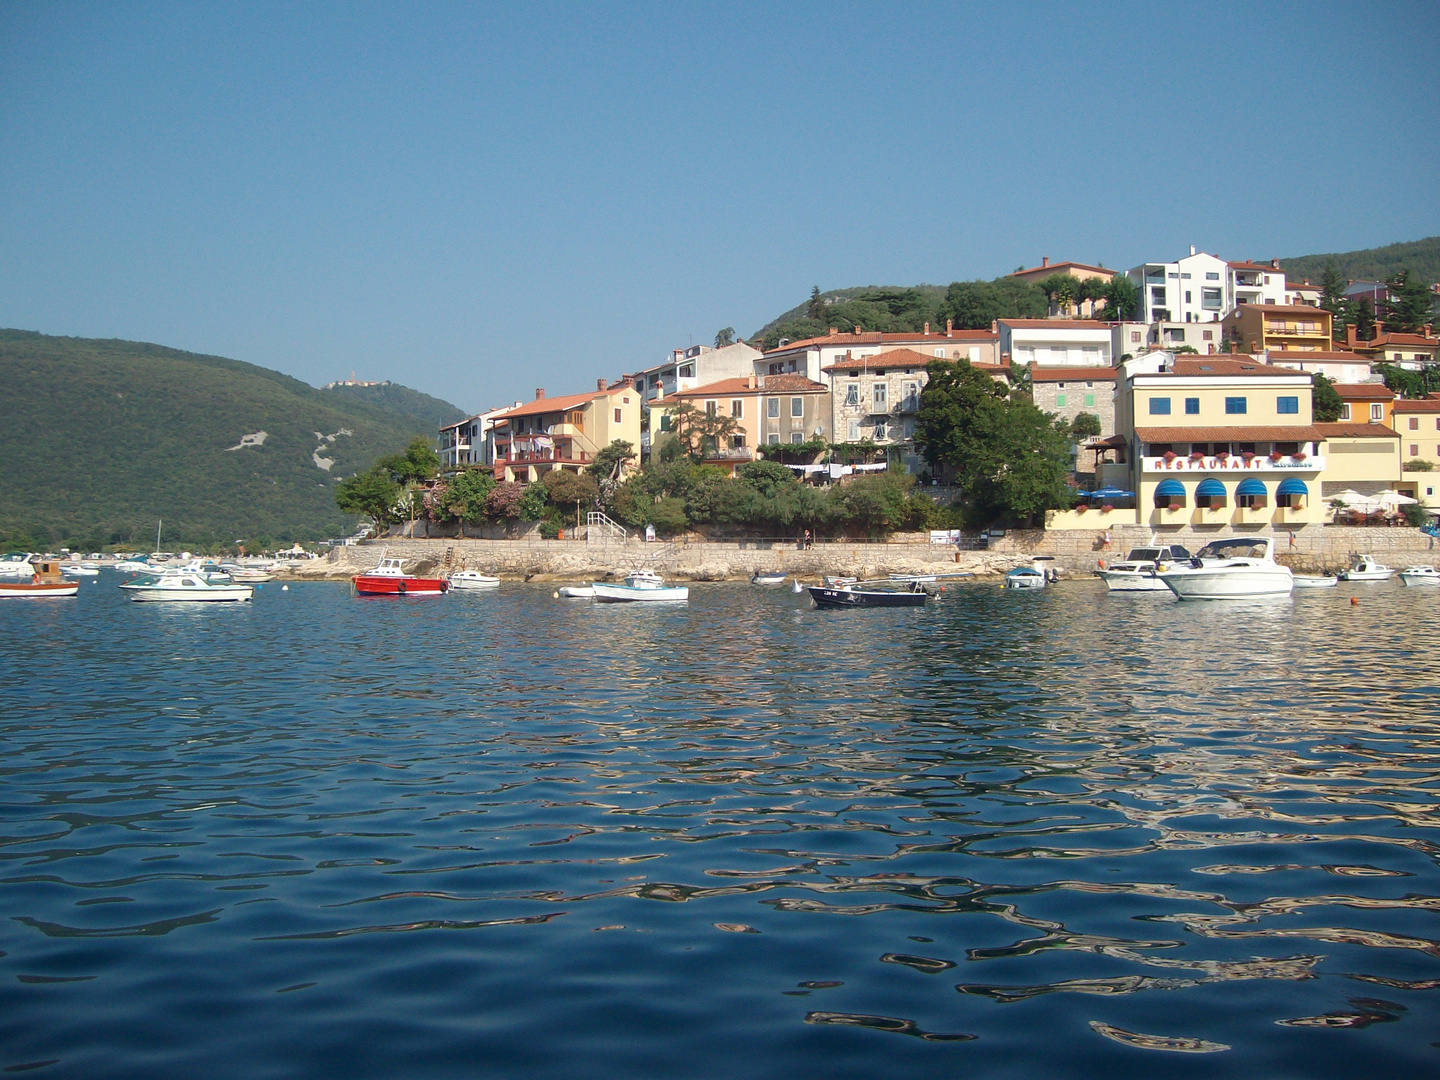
{"x": 1169, "y": 456}
{"x": 1275, "y": 456}
{"x": 1106, "y": 508}
{"x": 1174, "y": 506}
{"x": 1081, "y": 508}
{"x": 1247, "y": 456}
{"x": 1196, "y": 455}
{"x": 1299, "y": 455}
{"x": 1221, "y": 455}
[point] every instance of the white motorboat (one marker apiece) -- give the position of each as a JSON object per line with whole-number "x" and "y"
{"x": 1136, "y": 572}
{"x": 1420, "y": 575}
{"x": 1034, "y": 576}
{"x": 576, "y": 592}
{"x": 75, "y": 569}
{"x": 642, "y": 586}
{"x": 134, "y": 566}
{"x": 18, "y": 564}
{"x": 1367, "y": 569}
{"x": 248, "y": 575}
{"x": 1228, "y": 569}
{"x": 766, "y": 577}
{"x": 473, "y": 579}
{"x": 187, "y": 588}
{"x": 1316, "y": 581}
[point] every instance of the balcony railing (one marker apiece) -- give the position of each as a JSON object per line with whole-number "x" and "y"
{"x": 534, "y": 456}
{"x": 734, "y": 453}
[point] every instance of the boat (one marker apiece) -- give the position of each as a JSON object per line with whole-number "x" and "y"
{"x": 390, "y": 579}
{"x": 249, "y": 575}
{"x": 1315, "y": 581}
{"x": 134, "y": 566}
{"x": 473, "y": 579}
{"x": 45, "y": 581}
{"x": 18, "y": 564}
{"x": 186, "y": 588}
{"x": 642, "y": 586}
{"x": 1136, "y": 572}
{"x": 1367, "y": 569}
{"x": 1034, "y": 576}
{"x": 1232, "y": 568}
{"x": 853, "y": 596}
{"x": 767, "y": 577}
{"x": 576, "y": 592}
{"x": 1420, "y": 575}
{"x": 75, "y": 569}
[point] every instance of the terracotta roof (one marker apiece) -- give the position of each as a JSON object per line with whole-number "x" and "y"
{"x": 877, "y": 338}
{"x": 1245, "y": 265}
{"x": 1055, "y": 324}
{"x": 1357, "y": 431}
{"x": 1065, "y": 374}
{"x": 1222, "y": 365}
{"x": 550, "y": 404}
{"x": 1272, "y": 433}
{"x": 1058, "y": 268}
{"x": 1110, "y": 442}
{"x": 1321, "y": 354}
{"x": 1425, "y": 405}
{"x": 1371, "y": 391}
{"x": 773, "y": 384}
{"x": 891, "y": 358}
{"x": 1398, "y": 338}
{"x": 1304, "y": 309}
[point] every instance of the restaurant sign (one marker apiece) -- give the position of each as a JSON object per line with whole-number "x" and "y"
{"x": 1233, "y": 463}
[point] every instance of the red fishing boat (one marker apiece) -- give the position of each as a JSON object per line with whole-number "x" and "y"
{"x": 390, "y": 579}
{"x": 46, "y": 581}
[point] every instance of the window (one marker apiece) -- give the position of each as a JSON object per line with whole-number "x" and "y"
{"x": 618, "y": 416}
{"x": 974, "y": 354}
{"x": 1184, "y": 277}
{"x": 1174, "y": 274}
{"x": 1287, "y": 406}
{"x": 1159, "y": 406}
{"x": 1059, "y": 354}
{"x": 852, "y": 433}
{"x": 1211, "y": 275}
{"x": 880, "y": 396}
{"x": 1134, "y": 335}
{"x": 797, "y": 436}
{"x": 1059, "y": 401}
{"x": 737, "y": 442}
{"x": 1089, "y": 401}
{"x": 1414, "y": 450}
{"x": 1414, "y": 423}
{"x": 1235, "y": 406}
{"x": 852, "y": 395}
{"x": 712, "y": 408}
{"x": 737, "y": 407}
{"x": 665, "y": 421}
{"x": 1188, "y": 300}
{"x": 772, "y": 407}
{"x": 1377, "y": 413}
{"x": 1059, "y": 386}
{"x": 940, "y": 353}
{"x": 773, "y": 438}
{"x": 1345, "y": 411}
{"x": 687, "y": 371}
{"x": 882, "y": 431}
{"x": 1192, "y": 406}
{"x": 797, "y": 406}
{"x": 1210, "y": 299}
{"x": 1207, "y": 335}
{"x": 1092, "y": 355}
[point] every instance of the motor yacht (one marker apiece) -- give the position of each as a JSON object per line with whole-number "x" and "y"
{"x": 1367, "y": 569}
{"x": 1420, "y": 575}
{"x": 1237, "y": 566}
{"x": 186, "y": 588}
{"x": 1136, "y": 572}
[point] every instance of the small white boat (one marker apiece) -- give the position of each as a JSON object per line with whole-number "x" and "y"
{"x": 1229, "y": 569}
{"x": 1034, "y": 576}
{"x": 473, "y": 579}
{"x": 1136, "y": 573}
{"x": 78, "y": 570}
{"x": 249, "y": 575}
{"x": 18, "y": 564}
{"x": 134, "y": 566}
{"x": 185, "y": 588}
{"x": 765, "y": 577}
{"x": 1420, "y": 575}
{"x": 914, "y": 579}
{"x": 1316, "y": 581}
{"x": 1367, "y": 569}
{"x": 641, "y": 586}
{"x": 576, "y": 592}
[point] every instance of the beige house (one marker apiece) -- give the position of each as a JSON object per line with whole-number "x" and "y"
{"x": 563, "y": 433}
{"x": 1257, "y": 328}
{"x": 1079, "y": 271}
{"x": 1411, "y": 351}
{"x": 813, "y": 357}
{"x": 768, "y": 409}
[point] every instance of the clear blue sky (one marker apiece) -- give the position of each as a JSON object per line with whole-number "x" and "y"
{"x": 476, "y": 200}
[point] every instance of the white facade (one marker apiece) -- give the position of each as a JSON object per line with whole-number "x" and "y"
{"x": 1056, "y": 342}
{"x": 699, "y": 365}
{"x": 469, "y": 442}
{"x": 1337, "y": 367}
{"x": 1254, "y": 283}
{"x": 1137, "y": 337}
{"x": 811, "y": 358}
{"x": 1190, "y": 290}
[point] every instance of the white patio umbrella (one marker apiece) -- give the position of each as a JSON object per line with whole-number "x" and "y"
{"x": 1353, "y": 500}
{"x": 1392, "y": 499}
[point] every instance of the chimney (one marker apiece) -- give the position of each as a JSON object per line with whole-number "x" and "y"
{"x": 539, "y": 393}
{"x": 1192, "y": 249}
{"x": 599, "y": 384}
{"x": 994, "y": 326}
{"x": 847, "y": 354}
{"x": 1254, "y": 346}
{"x": 761, "y": 381}
{"x": 927, "y": 329}
{"x": 949, "y": 327}
{"x": 833, "y": 331}
{"x": 858, "y": 329}
{"x": 750, "y": 383}
{"x": 1044, "y": 260}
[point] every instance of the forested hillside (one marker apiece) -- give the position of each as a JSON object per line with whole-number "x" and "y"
{"x": 430, "y": 412}
{"x": 1420, "y": 257}
{"x": 104, "y": 437}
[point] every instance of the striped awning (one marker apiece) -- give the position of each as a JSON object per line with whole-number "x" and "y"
{"x": 1251, "y": 486}
{"x": 1171, "y": 488}
{"x": 1292, "y": 485}
{"x": 1211, "y": 487}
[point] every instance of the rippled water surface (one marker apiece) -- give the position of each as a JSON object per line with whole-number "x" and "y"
{"x": 1051, "y": 834}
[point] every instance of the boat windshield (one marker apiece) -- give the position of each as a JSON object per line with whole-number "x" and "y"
{"x": 1143, "y": 555}
{"x": 1238, "y": 547}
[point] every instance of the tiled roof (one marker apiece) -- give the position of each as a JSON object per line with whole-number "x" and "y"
{"x": 1425, "y": 405}
{"x": 1369, "y": 391}
{"x": 877, "y": 338}
{"x": 1321, "y": 354}
{"x": 1055, "y": 324}
{"x": 1398, "y": 338}
{"x": 891, "y": 358}
{"x": 1357, "y": 431}
{"x": 1061, "y": 267}
{"x": 1263, "y": 267}
{"x": 1219, "y": 365}
{"x": 1065, "y": 374}
{"x": 550, "y": 404}
{"x": 1272, "y": 433}
{"x": 773, "y": 384}
{"x": 1303, "y": 309}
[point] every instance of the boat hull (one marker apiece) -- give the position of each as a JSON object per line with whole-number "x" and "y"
{"x": 768, "y": 579}
{"x": 1419, "y": 579}
{"x": 212, "y": 594}
{"x": 1228, "y": 583}
{"x": 39, "y": 590}
{"x": 382, "y": 585}
{"x": 826, "y": 597}
{"x": 1310, "y": 581}
{"x": 1132, "y": 581}
{"x": 620, "y": 594}
{"x": 464, "y": 583}
{"x": 577, "y": 592}
{"x": 1367, "y": 575}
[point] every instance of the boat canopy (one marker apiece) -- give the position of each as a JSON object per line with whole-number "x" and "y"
{"x": 1212, "y": 487}
{"x": 1251, "y": 486}
{"x": 1292, "y": 485}
{"x": 1173, "y": 487}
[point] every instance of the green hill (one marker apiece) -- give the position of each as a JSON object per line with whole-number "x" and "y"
{"x": 430, "y": 412}
{"x": 1420, "y": 257}
{"x": 103, "y": 437}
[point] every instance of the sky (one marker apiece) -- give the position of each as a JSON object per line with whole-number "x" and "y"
{"x": 480, "y": 199}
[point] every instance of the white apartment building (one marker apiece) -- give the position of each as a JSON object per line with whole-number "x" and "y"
{"x": 467, "y": 442}
{"x": 1201, "y": 288}
{"x": 1255, "y": 283}
{"x": 1056, "y": 342}
{"x": 1133, "y": 338}
{"x": 812, "y": 356}
{"x": 698, "y": 365}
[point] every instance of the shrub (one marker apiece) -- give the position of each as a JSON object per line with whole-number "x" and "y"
{"x": 1419, "y": 465}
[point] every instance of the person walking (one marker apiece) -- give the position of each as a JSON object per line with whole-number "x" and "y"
{"x": 1105, "y": 541}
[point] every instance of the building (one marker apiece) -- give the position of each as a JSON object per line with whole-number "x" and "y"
{"x": 1254, "y": 283}
{"x": 467, "y": 442}
{"x": 768, "y": 409}
{"x": 1056, "y": 342}
{"x": 812, "y": 356}
{"x": 875, "y": 398}
{"x": 563, "y": 433}
{"x": 1189, "y": 290}
{"x": 1411, "y": 351}
{"x": 1366, "y": 403}
{"x": 1257, "y": 328}
{"x": 1417, "y": 423}
{"x": 1079, "y": 271}
{"x": 1067, "y": 392}
{"x": 1133, "y": 338}
{"x": 685, "y": 369}
{"x": 1304, "y": 294}
{"x": 1335, "y": 365}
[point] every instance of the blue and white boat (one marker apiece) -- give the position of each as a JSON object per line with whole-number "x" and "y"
{"x": 1034, "y": 576}
{"x": 642, "y": 586}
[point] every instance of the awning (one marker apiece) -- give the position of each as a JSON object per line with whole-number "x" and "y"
{"x": 1172, "y": 488}
{"x": 1111, "y": 493}
{"x": 1252, "y": 486}
{"x": 1292, "y": 485}
{"x": 1212, "y": 487}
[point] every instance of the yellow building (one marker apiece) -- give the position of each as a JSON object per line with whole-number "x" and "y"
{"x": 1256, "y": 328}
{"x": 1366, "y": 403}
{"x": 565, "y": 432}
{"x": 1418, "y": 425}
{"x": 767, "y": 409}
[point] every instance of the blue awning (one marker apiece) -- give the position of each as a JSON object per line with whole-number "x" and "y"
{"x": 1172, "y": 488}
{"x": 1292, "y": 485}
{"x": 1111, "y": 493}
{"x": 1251, "y": 486}
{"x": 1212, "y": 487}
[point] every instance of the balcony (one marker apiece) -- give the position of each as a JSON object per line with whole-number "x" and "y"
{"x": 907, "y": 406}
{"x": 1163, "y": 515}
{"x": 1252, "y": 515}
{"x": 731, "y": 455}
{"x": 1211, "y": 515}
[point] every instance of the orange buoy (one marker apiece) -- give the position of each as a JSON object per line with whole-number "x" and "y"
{"x": 1353, "y": 600}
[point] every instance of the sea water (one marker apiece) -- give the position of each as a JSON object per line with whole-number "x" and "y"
{"x": 1059, "y": 833}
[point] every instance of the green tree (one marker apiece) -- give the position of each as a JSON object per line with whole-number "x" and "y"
{"x": 766, "y": 477}
{"x": 724, "y": 337}
{"x": 1364, "y": 319}
{"x": 464, "y": 496}
{"x": 1324, "y": 400}
{"x": 533, "y": 502}
{"x": 418, "y": 462}
{"x": 1063, "y": 291}
{"x": 698, "y": 431}
{"x": 874, "y": 504}
{"x": 974, "y": 305}
{"x": 611, "y": 461}
{"x": 1085, "y": 426}
{"x": 369, "y": 494}
{"x": 1409, "y": 303}
{"x": 815, "y": 309}
{"x": 571, "y": 491}
{"x": 1408, "y": 384}
{"x": 504, "y": 501}
{"x": 1332, "y": 299}
{"x": 1122, "y": 298}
